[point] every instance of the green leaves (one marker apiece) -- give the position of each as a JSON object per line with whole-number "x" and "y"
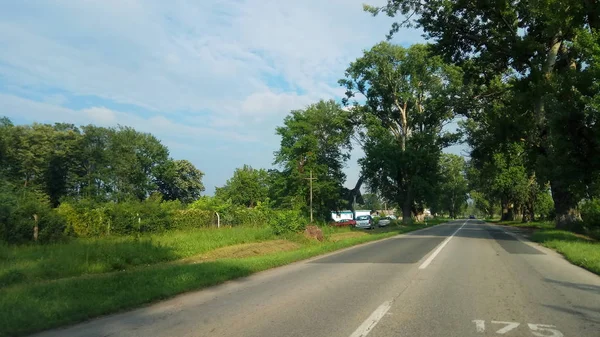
{"x": 247, "y": 187}
{"x": 316, "y": 139}
{"x": 404, "y": 97}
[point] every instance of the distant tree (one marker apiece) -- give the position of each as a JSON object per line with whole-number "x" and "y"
{"x": 453, "y": 186}
{"x": 179, "y": 180}
{"x": 407, "y": 102}
{"x": 247, "y": 187}
{"x": 371, "y": 201}
{"x": 316, "y": 139}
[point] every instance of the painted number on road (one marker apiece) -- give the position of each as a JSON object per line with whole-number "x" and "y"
{"x": 538, "y": 330}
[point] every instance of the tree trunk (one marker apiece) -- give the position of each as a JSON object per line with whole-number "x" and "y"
{"x": 565, "y": 205}
{"x": 406, "y": 212}
{"x": 508, "y": 213}
{"x": 35, "y": 227}
{"x": 407, "y": 207}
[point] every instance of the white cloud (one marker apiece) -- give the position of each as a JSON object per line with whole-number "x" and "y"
{"x": 101, "y": 115}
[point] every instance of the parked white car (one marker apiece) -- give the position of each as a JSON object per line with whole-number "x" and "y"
{"x": 384, "y": 221}
{"x": 365, "y": 221}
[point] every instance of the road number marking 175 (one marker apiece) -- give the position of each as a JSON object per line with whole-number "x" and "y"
{"x": 538, "y": 330}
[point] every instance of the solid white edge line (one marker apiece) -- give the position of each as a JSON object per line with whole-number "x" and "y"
{"x": 439, "y": 248}
{"x": 372, "y": 321}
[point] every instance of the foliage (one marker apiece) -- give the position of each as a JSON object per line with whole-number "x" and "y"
{"x": 590, "y": 212}
{"x": 102, "y": 164}
{"x": 247, "y": 187}
{"x": 537, "y": 60}
{"x": 406, "y": 104}
{"x": 22, "y": 211}
{"x": 290, "y": 221}
{"x": 452, "y": 186}
{"x": 318, "y": 140}
{"x": 180, "y": 180}
{"x": 372, "y": 201}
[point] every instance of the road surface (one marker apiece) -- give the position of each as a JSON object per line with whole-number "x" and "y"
{"x": 462, "y": 279}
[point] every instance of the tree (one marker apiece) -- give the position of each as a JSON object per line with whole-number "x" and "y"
{"x": 135, "y": 159}
{"x": 550, "y": 51}
{"x": 247, "y": 187}
{"x": 179, "y": 180}
{"x": 372, "y": 202}
{"x": 314, "y": 139}
{"x": 407, "y": 96}
{"x": 453, "y": 186}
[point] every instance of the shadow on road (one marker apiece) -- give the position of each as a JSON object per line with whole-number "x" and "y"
{"x": 580, "y": 286}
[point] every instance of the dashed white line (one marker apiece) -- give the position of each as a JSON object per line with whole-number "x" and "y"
{"x": 439, "y": 248}
{"x": 372, "y": 321}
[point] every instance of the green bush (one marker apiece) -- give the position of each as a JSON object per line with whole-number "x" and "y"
{"x": 590, "y": 212}
{"x": 193, "y": 218}
{"x": 85, "y": 219}
{"x": 287, "y": 221}
{"x": 19, "y": 210}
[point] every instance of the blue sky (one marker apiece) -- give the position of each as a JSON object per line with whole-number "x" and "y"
{"x": 211, "y": 79}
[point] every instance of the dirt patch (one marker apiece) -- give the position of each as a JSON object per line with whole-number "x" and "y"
{"x": 245, "y": 250}
{"x": 343, "y": 236}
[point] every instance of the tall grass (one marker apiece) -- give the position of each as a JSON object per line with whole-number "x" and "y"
{"x": 31, "y": 263}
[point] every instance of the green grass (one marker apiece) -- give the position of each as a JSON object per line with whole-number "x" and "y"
{"x": 20, "y": 264}
{"x": 519, "y": 223}
{"x": 26, "y": 307}
{"x": 577, "y": 249}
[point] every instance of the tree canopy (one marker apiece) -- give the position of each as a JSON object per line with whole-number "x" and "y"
{"x": 406, "y": 94}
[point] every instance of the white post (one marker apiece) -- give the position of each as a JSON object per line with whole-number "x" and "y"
{"x": 218, "y": 220}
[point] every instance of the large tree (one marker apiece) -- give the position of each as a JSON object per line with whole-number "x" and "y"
{"x": 550, "y": 49}
{"x": 404, "y": 96}
{"x": 318, "y": 140}
{"x": 179, "y": 180}
{"x": 247, "y": 187}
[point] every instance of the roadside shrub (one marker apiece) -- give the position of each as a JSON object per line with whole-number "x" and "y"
{"x": 19, "y": 214}
{"x": 192, "y": 218}
{"x": 287, "y": 221}
{"x": 590, "y": 213}
{"x": 85, "y": 218}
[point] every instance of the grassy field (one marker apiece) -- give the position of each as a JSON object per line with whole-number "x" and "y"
{"x": 25, "y": 264}
{"x": 578, "y": 249}
{"x": 95, "y": 277}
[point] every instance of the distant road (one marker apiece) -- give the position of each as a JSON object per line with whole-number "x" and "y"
{"x": 460, "y": 279}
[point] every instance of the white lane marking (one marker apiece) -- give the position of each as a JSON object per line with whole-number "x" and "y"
{"x": 509, "y": 326}
{"x": 439, "y": 248}
{"x": 479, "y": 325}
{"x": 372, "y": 321}
{"x": 544, "y": 327}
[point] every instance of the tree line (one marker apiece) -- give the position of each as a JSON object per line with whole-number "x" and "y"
{"x": 521, "y": 77}
{"x": 530, "y": 94}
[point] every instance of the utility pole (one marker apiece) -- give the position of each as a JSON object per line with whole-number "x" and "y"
{"x": 311, "y": 195}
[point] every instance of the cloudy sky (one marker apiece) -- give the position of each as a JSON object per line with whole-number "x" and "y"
{"x": 211, "y": 78}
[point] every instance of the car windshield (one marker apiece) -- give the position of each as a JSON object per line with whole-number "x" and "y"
{"x": 362, "y": 217}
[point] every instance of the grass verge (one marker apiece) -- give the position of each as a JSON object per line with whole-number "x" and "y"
{"x": 28, "y": 307}
{"x": 33, "y": 263}
{"x": 521, "y": 224}
{"x": 577, "y": 249}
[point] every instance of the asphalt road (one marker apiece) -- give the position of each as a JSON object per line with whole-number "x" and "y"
{"x": 459, "y": 279}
